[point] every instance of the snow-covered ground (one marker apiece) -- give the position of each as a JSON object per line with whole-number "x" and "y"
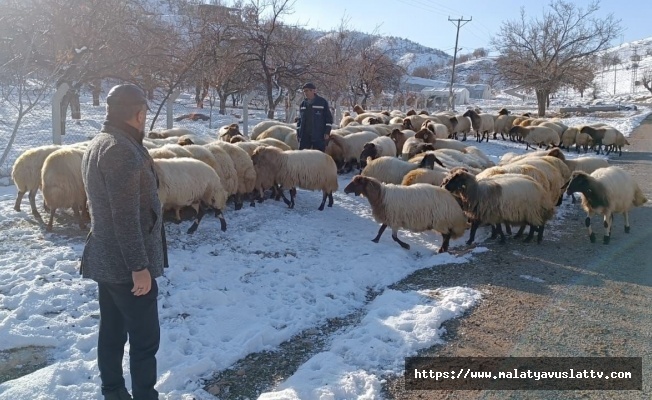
{"x": 273, "y": 274}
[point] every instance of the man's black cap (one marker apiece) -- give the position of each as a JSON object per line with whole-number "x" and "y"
{"x": 126, "y": 95}
{"x": 309, "y": 85}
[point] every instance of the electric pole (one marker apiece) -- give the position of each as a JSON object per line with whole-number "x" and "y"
{"x": 451, "y": 99}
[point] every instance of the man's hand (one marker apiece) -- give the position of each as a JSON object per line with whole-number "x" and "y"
{"x": 142, "y": 282}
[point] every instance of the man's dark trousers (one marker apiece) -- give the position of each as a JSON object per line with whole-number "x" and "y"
{"x": 122, "y": 313}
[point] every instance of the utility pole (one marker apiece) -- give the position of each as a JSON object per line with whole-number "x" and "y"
{"x": 451, "y": 100}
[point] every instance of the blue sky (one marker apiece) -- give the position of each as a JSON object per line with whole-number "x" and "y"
{"x": 426, "y": 21}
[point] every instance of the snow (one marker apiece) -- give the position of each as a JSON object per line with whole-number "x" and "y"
{"x": 274, "y": 273}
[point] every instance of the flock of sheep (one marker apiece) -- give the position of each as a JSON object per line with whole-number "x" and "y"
{"x": 414, "y": 172}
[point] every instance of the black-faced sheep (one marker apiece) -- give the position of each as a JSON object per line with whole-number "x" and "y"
{"x": 483, "y": 124}
{"x": 380, "y": 146}
{"x": 460, "y": 124}
{"x": 605, "y": 135}
{"x": 510, "y": 199}
{"x": 305, "y": 169}
{"x": 606, "y": 191}
{"x": 418, "y": 208}
{"x": 26, "y": 174}
{"x": 228, "y": 132}
{"x": 345, "y": 151}
{"x": 539, "y": 135}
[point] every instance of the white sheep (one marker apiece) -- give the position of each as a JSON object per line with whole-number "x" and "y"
{"x": 606, "y": 191}
{"x": 249, "y": 147}
{"x": 411, "y": 147}
{"x": 274, "y": 143}
{"x": 460, "y": 124}
{"x": 172, "y": 132}
{"x": 26, "y": 174}
{"x": 264, "y": 125}
{"x": 483, "y": 124}
{"x": 380, "y": 146}
{"x": 539, "y": 135}
{"x": 189, "y": 182}
{"x": 305, "y": 169}
{"x": 433, "y": 176}
{"x": 440, "y": 130}
{"x": 510, "y": 198}
{"x": 418, "y": 208}
{"x": 62, "y": 183}
{"x": 345, "y": 151}
{"x": 285, "y": 134}
{"x": 244, "y": 168}
{"x": 392, "y": 170}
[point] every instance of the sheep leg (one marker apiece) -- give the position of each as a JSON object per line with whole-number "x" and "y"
{"x": 608, "y": 222}
{"x": 530, "y": 234}
{"x": 474, "y": 228}
{"x": 49, "y": 227}
{"x": 380, "y": 233}
{"x": 195, "y": 223}
{"x": 19, "y": 198}
{"x": 254, "y": 196}
{"x": 397, "y": 240}
{"x": 494, "y": 231}
{"x": 444, "y": 245}
{"x": 293, "y": 194}
{"x": 520, "y": 232}
{"x": 176, "y": 214}
{"x": 324, "y": 196}
{"x": 220, "y": 215}
{"x": 499, "y": 230}
{"x": 626, "y": 214}
{"x": 540, "y": 234}
{"x": 285, "y": 199}
{"x": 78, "y": 216}
{"x": 45, "y": 206}
{"x": 587, "y": 223}
{"x": 330, "y": 199}
{"x": 464, "y": 139}
{"x": 508, "y": 229}
{"x": 238, "y": 201}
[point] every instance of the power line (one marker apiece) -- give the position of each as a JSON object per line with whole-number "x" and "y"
{"x": 459, "y": 21}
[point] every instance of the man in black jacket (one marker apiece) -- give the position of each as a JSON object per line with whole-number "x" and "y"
{"x": 125, "y": 250}
{"x": 315, "y": 120}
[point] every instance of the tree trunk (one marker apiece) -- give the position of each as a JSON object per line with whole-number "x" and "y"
{"x": 150, "y": 94}
{"x": 5, "y": 154}
{"x": 223, "y": 98}
{"x": 542, "y": 96}
{"x": 96, "y": 89}
{"x": 270, "y": 98}
{"x": 75, "y": 106}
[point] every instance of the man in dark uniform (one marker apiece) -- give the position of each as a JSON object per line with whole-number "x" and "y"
{"x": 125, "y": 250}
{"x": 315, "y": 120}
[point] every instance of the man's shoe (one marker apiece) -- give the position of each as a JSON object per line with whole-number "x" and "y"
{"x": 120, "y": 394}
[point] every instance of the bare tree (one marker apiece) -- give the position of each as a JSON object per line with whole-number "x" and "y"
{"x": 479, "y": 52}
{"x": 422, "y": 71}
{"x": 261, "y": 26}
{"x": 23, "y": 84}
{"x": 542, "y": 53}
{"x": 646, "y": 79}
{"x": 473, "y": 78}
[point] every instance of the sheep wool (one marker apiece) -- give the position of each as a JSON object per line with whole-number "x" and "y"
{"x": 607, "y": 191}
{"x": 26, "y": 174}
{"x": 62, "y": 183}
{"x": 418, "y": 208}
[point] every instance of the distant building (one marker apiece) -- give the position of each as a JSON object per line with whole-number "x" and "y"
{"x": 438, "y": 97}
{"x": 475, "y": 91}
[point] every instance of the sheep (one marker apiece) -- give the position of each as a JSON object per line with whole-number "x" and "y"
{"x": 161, "y": 152}
{"x": 474, "y": 151}
{"x": 346, "y": 150}
{"x": 411, "y": 147}
{"x": 62, "y": 183}
{"x": 179, "y": 150}
{"x": 380, "y": 146}
{"x": 249, "y": 147}
{"x": 228, "y": 132}
{"x": 606, "y": 191}
{"x": 189, "y": 182}
{"x": 511, "y": 157}
{"x": 274, "y": 143}
{"x": 482, "y": 124}
{"x": 396, "y": 120}
{"x": 26, "y": 174}
{"x": 449, "y": 144}
{"x": 619, "y": 143}
{"x": 392, "y": 170}
{"x": 535, "y": 173}
{"x": 568, "y": 138}
{"x": 536, "y": 135}
{"x": 154, "y": 142}
{"x": 346, "y": 120}
{"x": 264, "y": 125}
{"x": 166, "y": 133}
{"x": 400, "y": 136}
{"x": 460, "y": 124}
{"x": 433, "y": 176}
{"x": 285, "y": 134}
{"x": 503, "y": 124}
{"x": 418, "y": 208}
{"x": 305, "y": 169}
{"x": 440, "y": 130}
{"x": 584, "y": 164}
{"x": 510, "y": 198}
{"x": 244, "y": 169}
{"x": 601, "y": 135}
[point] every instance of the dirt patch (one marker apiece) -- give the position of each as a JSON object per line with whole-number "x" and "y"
{"x": 15, "y": 363}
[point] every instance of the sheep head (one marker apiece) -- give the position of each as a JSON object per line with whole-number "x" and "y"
{"x": 385, "y": 113}
{"x": 268, "y": 156}
{"x": 407, "y": 123}
{"x": 424, "y": 134}
{"x": 503, "y": 111}
{"x": 369, "y": 150}
{"x": 424, "y": 147}
{"x": 457, "y": 181}
{"x": 454, "y": 122}
{"x": 184, "y": 141}
{"x": 557, "y": 153}
{"x": 358, "y": 109}
{"x": 237, "y": 138}
{"x": 362, "y": 185}
{"x": 154, "y": 135}
{"x": 345, "y": 114}
{"x": 411, "y": 112}
{"x": 594, "y": 192}
{"x": 424, "y": 112}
